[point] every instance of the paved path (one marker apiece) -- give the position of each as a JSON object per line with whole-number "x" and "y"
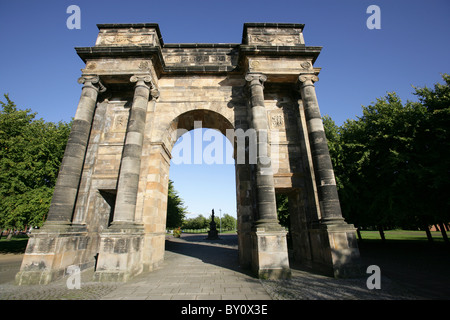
{"x": 193, "y": 269}
{"x": 196, "y": 269}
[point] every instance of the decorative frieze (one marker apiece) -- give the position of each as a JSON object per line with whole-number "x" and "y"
{"x": 273, "y": 34}
{"x": 128, "y": 35}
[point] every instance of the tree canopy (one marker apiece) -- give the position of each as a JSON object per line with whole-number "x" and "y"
{"x": 176, "y": 211}
{"x": 392, "y": 164}
{"x": 228, "y": 222}
{"x": 31, "y": 152}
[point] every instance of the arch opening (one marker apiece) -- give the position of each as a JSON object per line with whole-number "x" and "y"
{"x": 203, "y": 172}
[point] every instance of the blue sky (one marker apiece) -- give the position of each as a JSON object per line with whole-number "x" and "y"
{"x": 39, "y": 66}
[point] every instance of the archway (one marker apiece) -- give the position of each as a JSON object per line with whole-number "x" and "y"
{"x": 204, "y": 183}
{"x": 203, "y": 147}
{"x": 155, "y": 201}
{"x": 202, "y": 167}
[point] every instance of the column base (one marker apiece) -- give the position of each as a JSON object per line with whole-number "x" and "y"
{"x": 335, "y": 250}
{"x": 50, "y": 251}
{"x": 270, "y": 253}
{"x": 120, "y": 253}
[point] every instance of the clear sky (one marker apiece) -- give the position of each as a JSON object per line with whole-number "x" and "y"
{"x": 39, "y": 66}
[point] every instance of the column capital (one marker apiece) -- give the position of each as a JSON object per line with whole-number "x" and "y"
{"x": 256, "y": 78}
{"x": 307, "y": 79}
{"x": 142, "y": 79}
{"x": 89, "y": 80}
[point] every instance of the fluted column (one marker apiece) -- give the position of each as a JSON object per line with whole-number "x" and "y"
{"x": 127, "y": 187}
{"x": 264, "y": 175}
{"x": 65, "y": 193}
{"x": 323, "y": 170}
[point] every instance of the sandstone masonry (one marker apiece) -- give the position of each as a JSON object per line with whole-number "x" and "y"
{"x": 109, "y": 207}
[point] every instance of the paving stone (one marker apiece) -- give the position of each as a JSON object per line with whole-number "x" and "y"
{"x": 234, "y": 297}
{"x": 209, "y": 297}
{"x": 230, "y": 283}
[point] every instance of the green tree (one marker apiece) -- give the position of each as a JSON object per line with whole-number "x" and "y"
{"x": 432, "y": 162}
{"x": 377, "y": 152}
{"x": 283, "y": 210}
{"x": 31, "y": 151}
{"x": 228, "y": 222}
{"x": 176, "y": 211}
{"x": 392, "y": 163}
{"x": 199, "y": 222}
{"x": 332, "y": 132}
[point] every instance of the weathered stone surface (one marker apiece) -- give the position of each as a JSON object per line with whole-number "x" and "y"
{"x": 269, "y": 256}
{"x": 138, "y": 34}
{"x": 109, "y": 207}
{"x": 273, "y": 34}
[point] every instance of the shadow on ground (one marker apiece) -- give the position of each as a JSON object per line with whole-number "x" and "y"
{"x": 409, "y": 269}
{"x": 222, "y": 253}
{"x": 419, "y": 266}
{"x": 16, "y": 245}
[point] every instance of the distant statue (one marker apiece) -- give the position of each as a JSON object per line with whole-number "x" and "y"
{"x": 212, "y": 233}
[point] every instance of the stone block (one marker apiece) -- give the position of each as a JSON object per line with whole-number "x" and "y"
{"x": 120, "y": 254}
{"x": 48, "y": 254}
{"x": 270, "y": 256}
{"x": 273, "y": 34}
{"x": 129, "y": 35}
{"x": 335, "y": 251}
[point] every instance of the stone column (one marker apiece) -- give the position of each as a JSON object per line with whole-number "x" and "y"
{"x": 65, "y": 194}
{"x": 269, "y": 248}
{"x": 333, "y": 242}
{"x": 267, "y": 208}
{"x": 323, "y": 170}
{"x": 127, "y": 187}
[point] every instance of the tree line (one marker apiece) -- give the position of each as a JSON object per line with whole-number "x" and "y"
{"x": 226, "y": 223}
{"x": 392, "y": 164}
{"x": 177, "y": 211}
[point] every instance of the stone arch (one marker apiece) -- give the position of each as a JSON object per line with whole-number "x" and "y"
{"x": 121, "y": 142}
{"x": 208, "y": 118}
{"x": 154, "y": 199}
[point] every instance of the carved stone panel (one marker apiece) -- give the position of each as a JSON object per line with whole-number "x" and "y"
{"x": 276, "y": 119}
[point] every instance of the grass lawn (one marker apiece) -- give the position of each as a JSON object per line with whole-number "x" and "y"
{"x": 406, "y": 235}
{"x": 205, "y": 231}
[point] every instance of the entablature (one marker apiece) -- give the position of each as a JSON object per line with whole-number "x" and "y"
{"x": 275, "y": 49}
